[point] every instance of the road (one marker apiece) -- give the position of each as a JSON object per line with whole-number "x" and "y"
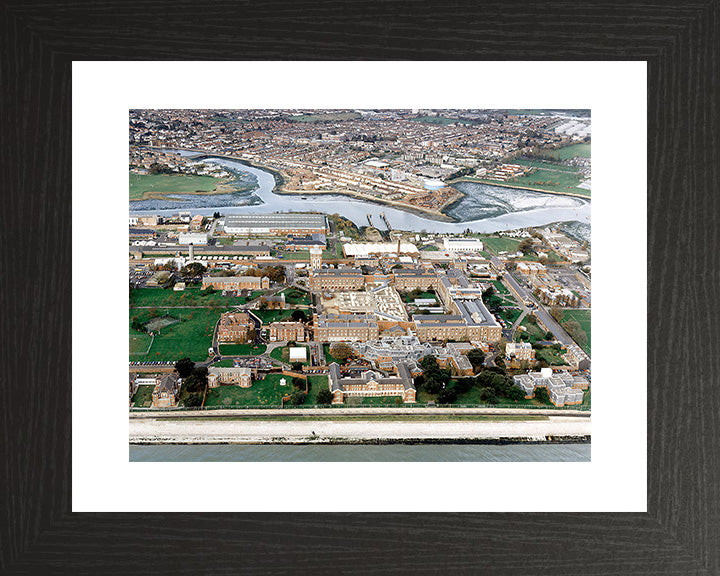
{"x": 558, "y": 331}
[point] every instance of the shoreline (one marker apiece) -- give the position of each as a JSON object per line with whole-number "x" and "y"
{"x": 169, "y": 431}
{"x": 281, "y": 178}
{"x": 280, "y": 190}
{"x": 503, "y": 185}
{"x": 439, "y": 216}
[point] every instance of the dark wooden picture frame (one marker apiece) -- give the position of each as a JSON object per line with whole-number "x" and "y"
{"x": 680, "y": 533}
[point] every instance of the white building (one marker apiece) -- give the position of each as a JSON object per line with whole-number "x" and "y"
{"x": 462, "y": 244}
{"x": 298, "y": 354}
{"x": 563, "y": 387}
{"x": 192, "y": 238}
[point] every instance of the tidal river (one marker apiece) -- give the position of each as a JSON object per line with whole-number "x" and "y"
{"x": 483, "y": 209}
{"x": 361, "y": 453}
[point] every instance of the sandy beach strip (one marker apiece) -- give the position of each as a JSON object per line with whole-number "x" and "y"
{"x": 168, "y": 430}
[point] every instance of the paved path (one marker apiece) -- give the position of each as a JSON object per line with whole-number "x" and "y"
{"x": 290, "y": 432}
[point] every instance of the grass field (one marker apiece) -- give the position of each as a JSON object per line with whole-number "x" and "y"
{"x": 268, "y": 316}
{"x": 141, "y": 183}
{"x": 139, "y": 343}
{"x": 326, "y": 117}
{"x": 544, "y": 164}
{"x": 435, "y": 120}
{"x": 242, "y": 349}
{"x": 532, "y": 334}
{"x": 583, "y": 318}
{"x": 510, "y": 315}
{"x": 295, "y": 296}
{"x": 227, "y": 363}
{"x": 407, "y": 298}
{"x": 550, "y": 355}
{"x": 551, "y": 180}
{"x": 191, "y": 296}
{"x": 500, "y": 287}
{"x": 500, "y": 244}
{"x": 317, "y": 383}
{"x": 143, "y": 396}
{"x": 191, "y": 337}
{"x": 573, "y": 151}
{"x": 266, "y": 392}
{"x": 329, "y": 358}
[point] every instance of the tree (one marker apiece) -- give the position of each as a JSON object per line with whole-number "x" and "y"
{"x": 216, "y": 214}
{"x": 549, "y": 335}
{"x": 298, "y": 316}
{"x": 488, "y": 395}
{"x": 541, "y": 394}
{"x": 184, "y": 367}
{"x": 137, "y": 325}
{"x": 296, "y": 366}
{"x": 299, "y": 383}
{"x": 556, "y": 313}
{"x": 476, "y": 357}
{"x": 341, "y": 352}
{"x": 192, "y": 400}
{"x": 432, "y": 385}
{"x": 324, "y": 396}
{"x": 463, "y": 385}
{"x": 297, "y": 398}
{"x": 192, "y": 270}
{"x": 447, "y": 396}
{"x": 525, "y": 246}
{"x": 515, "y": 394}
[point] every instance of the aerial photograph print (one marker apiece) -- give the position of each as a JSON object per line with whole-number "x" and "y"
{"x": 346, "y": 285}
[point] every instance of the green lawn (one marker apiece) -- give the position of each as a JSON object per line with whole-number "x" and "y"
{"x": 227, "y": 363}
{"x": 190, "y": 337}
{"x": 191, "y": 296}
{"x": 139, "y": 343}
{"x": 382, "y": 401}
{"x": 317, "y": 383}
{"x": 544, "y": 164}
{"x": 267, "y": 392}
{"x": 550, "y": 355}
{"x": 583, "y": 318}
{"x": 500, "y": 244}
{"x": 329, "y": 358}
{"x": 500, "y": 287}
{"x": 283, "y": 354}
{"x": 295, "y": 296}
{"x": 533, "y": 333}
{"x": 171, "y": 183}
{"x": 551, "y": 180}
{"x": 572, "y": 151}
{"x": 510, "y": 315}
{"x": 406, "y": 297}
{"x": 242, "y": 349}
{"x": 143, "y": 396}
{"x": 268, "y": 316}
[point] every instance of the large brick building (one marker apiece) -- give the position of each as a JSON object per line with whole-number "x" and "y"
{"x": 236, "y": 282}
{"x": 414, "y": 278}
{"x": 283, "y": 331}
{"x": 235, "y": 326}
{"x": 236, "y": 375}
{"x": 345, "y": 327}
{"x": 166, "y": 391}
{"x": 371, "y": 384}
{"x": 336, "y": 279}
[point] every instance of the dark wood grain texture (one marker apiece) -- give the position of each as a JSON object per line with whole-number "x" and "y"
{"x": 680, "y": 534}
